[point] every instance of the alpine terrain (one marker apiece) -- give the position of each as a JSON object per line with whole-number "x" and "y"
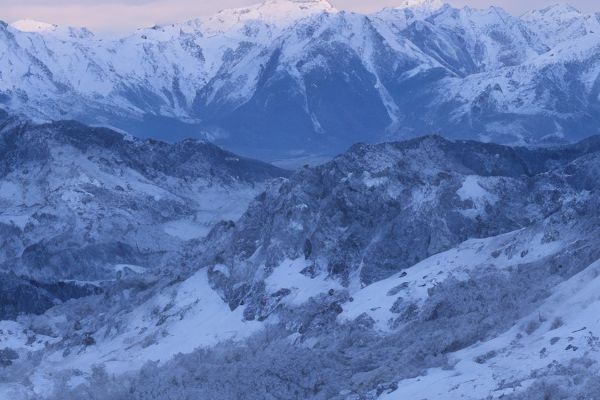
{"x": 288, "y": 78}
{"x": 442, "y": 241}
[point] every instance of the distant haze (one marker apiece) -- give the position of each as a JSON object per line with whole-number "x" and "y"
{"x": 118, "y": 16}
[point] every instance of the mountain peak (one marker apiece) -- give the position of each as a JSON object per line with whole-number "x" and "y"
{"x": 302, "y": 6}
{"x": 278, "y": 13}
{"x": 30, "y": 25}
{"x": 556, "y": 11}
{"x": 560, "y": 8}
{"x": 322, "y": 3}
{"x": 422, "y": 4}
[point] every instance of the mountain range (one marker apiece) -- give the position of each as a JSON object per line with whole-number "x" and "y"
{"x": 288, "y": 78}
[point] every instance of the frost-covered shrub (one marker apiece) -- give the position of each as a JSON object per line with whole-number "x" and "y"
{"x": 579, "y": 380}
{"x": 7, "y": 356}
{"x": 309, "y": 354}
{"x": 270, "y": 366}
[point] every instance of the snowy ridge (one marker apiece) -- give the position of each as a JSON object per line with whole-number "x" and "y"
{"x": 279, "y": 13}
{"x": 560, "y": 23}
{"x": 421, "y": 6}
{"x": 28, "y": 25}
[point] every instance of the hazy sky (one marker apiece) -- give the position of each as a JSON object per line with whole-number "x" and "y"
{"x": 120, "y": 15}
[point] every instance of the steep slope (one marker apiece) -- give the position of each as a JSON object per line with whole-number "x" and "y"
{"x": 379, "y": 209}
{"x": 553, "y": 97}
{"x": 560, "y": 23}
{"x": 475, "y": 40}
{"x": 325, "y": 75}
{"x": 408, "y": 11}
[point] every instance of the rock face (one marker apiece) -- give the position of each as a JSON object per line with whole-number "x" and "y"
{"x": 24, "y": 296}
{"x": 91, "y": 204}
{"x": 379, "y": 209}
{"x": 287, "y": 77}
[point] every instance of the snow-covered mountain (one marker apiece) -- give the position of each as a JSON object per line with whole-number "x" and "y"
{"x": 379, "y": 209}
{"x": 287, "y": 76}
{"x": 85, "y": 205}
{"x": 427, "y": 266}
{"x": 433, "y": 267}
{"x": 560, "y": 23}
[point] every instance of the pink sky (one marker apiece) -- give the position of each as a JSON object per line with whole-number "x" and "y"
{"x": 117, "y": 16}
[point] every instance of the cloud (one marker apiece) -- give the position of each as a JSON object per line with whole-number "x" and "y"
{"x": 123, "y": 15}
